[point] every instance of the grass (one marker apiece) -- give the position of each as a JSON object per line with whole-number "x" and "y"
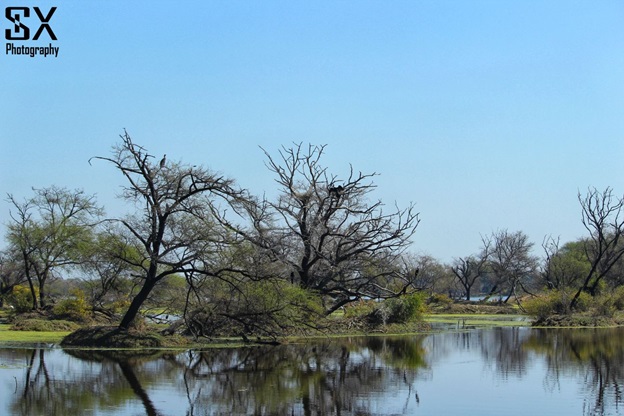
{"x": 8, "y": 336}
{"x": 452, "y": 320}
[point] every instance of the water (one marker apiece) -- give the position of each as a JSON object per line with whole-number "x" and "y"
{"x": 511, "y": 371}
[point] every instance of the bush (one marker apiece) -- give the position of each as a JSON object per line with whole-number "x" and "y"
{"x": 441, "y": 299}
{"x": 584, "y": 302}
{"x": 264, "y": 308}
{"x": 405, "y": 308}
{"x": 21, "y": 298}
{"x": 556, "y": 302}
{"x": 618, "y": 298}
{"x": 360, "y": 308}
{"x": 605, "y": 307}
{"x": 398, "y": 310}
{"x": 75, "y": 308}
{"x": 43, "y": 325}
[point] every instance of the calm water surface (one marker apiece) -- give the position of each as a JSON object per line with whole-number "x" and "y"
{"x": 510, "y": 371}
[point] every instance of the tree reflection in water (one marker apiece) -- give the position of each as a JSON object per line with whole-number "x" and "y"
{"x": 595, "y": 356}
{"x": 340, "y": 376}
{"x": 333, "y": 377}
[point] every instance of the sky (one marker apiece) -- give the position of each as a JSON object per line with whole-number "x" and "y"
{"x": 486, "y": 114}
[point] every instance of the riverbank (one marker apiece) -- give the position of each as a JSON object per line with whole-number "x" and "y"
{"x": 151, "y": 336}
{"x": 456, "y": 316}
{"x": 581, "y": 320}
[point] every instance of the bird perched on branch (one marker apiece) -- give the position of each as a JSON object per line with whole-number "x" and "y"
{"x": 336, "y": 191}
{"x": 162, "y": 161}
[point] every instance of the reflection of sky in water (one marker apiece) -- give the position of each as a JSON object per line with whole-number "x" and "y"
{"x": 464, "y": 383}
{"x": 482, "y": 372}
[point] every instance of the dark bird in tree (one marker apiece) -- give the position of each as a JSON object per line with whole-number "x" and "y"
{"x": 336, "y": 191}
{"x": 162, "y": 161}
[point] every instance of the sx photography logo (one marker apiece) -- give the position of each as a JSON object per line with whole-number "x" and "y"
{"x": 20, "y": 18}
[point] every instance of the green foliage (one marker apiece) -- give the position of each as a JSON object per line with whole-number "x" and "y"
{"x": 556, "y": 302}
{"x": 256, "y": 308}
{"x": 278, "y": 305}
{"x": 169, "y": 294}
{"x": 405, "y": 308}
{"x": 119, "y": 306}
{"x": 21, "y": 298}
{"x": 440, "y": 299}
{"x": 52, "y": 230}
{"x": 584, "y": 302}
{"x": 618, "y": 298}
{"x": 604, "y": 307}
{"x": 569, "y": 266}
{"x": 43, "y": 325}
{"x": 75, "y": 308}
{"x": 399, "y": 310}
{"x": 543, "y": 306}
{"x": 360, "y": 308}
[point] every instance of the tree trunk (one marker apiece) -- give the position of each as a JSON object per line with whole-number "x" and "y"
{"x": 491, "y": 293}
{"x": 512, "y": 290}
{"x": 42, "y": 302}
{"x": 30, "y": 282}
{"x": 584, "y": 287}
{"x": 135, "y": 306}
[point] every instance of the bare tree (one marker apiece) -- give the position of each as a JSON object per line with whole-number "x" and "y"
{"x": 173, "y": 230}
{"x": 328, "y": 236}
{"x": 427, "y": 273}
{"x": 46, "y": 231}
{"x": 511, "y": 262}
{"x": 469, "y": 269}
{"x": 603, "y": 217}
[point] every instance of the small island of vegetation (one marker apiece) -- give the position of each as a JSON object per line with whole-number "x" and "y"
{"x": 200, "y": 259}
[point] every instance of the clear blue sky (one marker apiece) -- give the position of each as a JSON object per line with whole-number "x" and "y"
{"x": 487, "y": 114}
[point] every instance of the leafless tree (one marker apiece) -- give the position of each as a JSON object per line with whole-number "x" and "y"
{"x": 469, "y": 269}
{"x": 603, "y": 218}
{"x": 427, "y": 273}
{"x": 329, "y": 237}
{"x": 173, "y": 229}
{"x": 511, "y": 263}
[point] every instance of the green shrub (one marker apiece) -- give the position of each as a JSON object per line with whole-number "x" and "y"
{"x": 43, "y": 325}
{"x": 556, "y": 302}
{"x": 605, "y": 307}
{"x": 618, "y": 298}
{"x": 360, "y": 308}
{"x": 405, "y": 308}
{"x": 263, "y": 308}
{"x": 398, "y": 310}
{"x": 21, "y": 298}
{"x": 440, "y": 299}
{"x": 75, "y": 308}
{"x": 584, "y": 302}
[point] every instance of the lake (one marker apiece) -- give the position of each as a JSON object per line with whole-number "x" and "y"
{"x": 495, "y": 371}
